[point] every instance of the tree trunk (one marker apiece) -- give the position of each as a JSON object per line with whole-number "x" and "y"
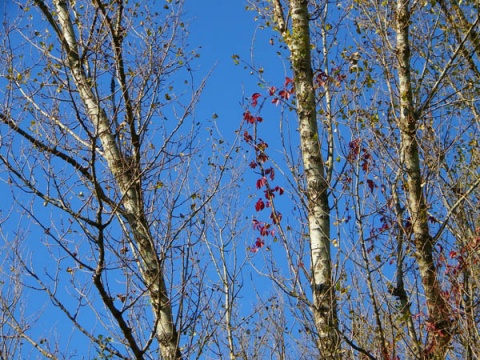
{"x": 438, "y": 323}
{"x": 121, "y": 167}
{"x": 324, "y": 304}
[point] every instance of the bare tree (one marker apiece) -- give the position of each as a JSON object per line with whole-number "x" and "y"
{"x": 399, "y": 95}
{"x": 410, "y": 128}
{"x": 292, "y": 20}
{"x": 94, "y": 126}
{"x": 137, "y": 231}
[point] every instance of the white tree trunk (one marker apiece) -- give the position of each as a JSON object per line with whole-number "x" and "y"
{"x": 438, "y": 309}
{"x": 121, "y": 168}
{"x": 324, "y": 304}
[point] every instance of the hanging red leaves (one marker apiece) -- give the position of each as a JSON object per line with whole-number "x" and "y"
{"x": 255, "y": 97}
{"x": 259, "y": 205}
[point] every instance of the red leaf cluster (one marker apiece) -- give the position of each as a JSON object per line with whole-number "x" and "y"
{"x": 284, "y": 94}
{"x": 255, "y": 97}
{"x": 267, "y": 174}
{"x": 263, "y": 228}
{"x": 355, "y": 148}
{"x": 251, "y": 119}
{"x": 247, "y": 137}
{"x": 261, "y": 182}
{"x": 259, "y": 205}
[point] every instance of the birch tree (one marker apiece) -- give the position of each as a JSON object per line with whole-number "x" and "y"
{"x": 438, "y": 309}
{"x": 94, "y": 127}
{"x": 405, "y": 114}
{"x": 426, "y": 62}
{"x": 292, "y": 21}
{"x": 298, "y": 41}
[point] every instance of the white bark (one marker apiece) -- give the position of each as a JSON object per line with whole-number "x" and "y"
{"x": 324, "y": 304}
{"x": 127, "y": 182}
{"x": 438, "y": 309}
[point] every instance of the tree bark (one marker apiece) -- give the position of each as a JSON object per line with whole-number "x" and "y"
{"x": 324, "y": 303}
{"x": 439, "y": 324}
{"x": 128, "y": 183}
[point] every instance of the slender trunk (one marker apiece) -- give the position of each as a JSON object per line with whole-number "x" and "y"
{"x": 399, "y": 290}
{"x": 128, "y": 183}
{"x": 324, "y": 304}
{"x": 228, "y": 310}
{"x": 438, "y": 323}
{"x": 371, "y": 292}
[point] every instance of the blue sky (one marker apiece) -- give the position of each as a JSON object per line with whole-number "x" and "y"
{"x": 222, "y": 29}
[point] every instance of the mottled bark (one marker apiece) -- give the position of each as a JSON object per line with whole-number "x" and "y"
{"x": 127, "y": 180}
{"x": 399, "y": 289}
{"x": 324, "y": 304}
{"x": 439, "y": 322}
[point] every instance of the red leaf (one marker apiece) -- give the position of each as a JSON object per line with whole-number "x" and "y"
{"x": 247, "y": 137}
{"x": 270, "y": 172}
{"x": 279, "y": 189}
{"x": 371, "y": 185}
{"x": 259, "y": 243}
{"x": 284, "y": 94}
{"x": 260, "y": 205}
{"x": 276, "y": 101}
{"x": 261, "y": 182}
{"x": 288, "y": 81}
{"x": 253, "y": 164}
{"x": 276, "y": 217}
{"x": 272, "y": 90}
{"x": 255, "y": 99}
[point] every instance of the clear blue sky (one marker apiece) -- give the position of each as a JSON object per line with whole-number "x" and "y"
{"x": 224, "y": 28}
